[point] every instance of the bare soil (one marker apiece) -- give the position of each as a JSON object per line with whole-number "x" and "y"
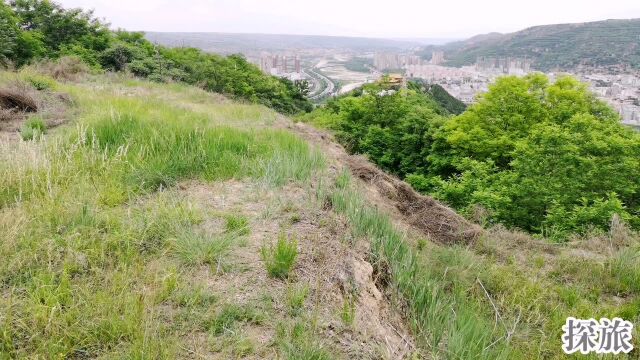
{"x": 329, "y": 263}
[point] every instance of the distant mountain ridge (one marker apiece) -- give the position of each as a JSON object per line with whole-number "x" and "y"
{"x": 612, "y": 44}
{"x": 228, "y": 43}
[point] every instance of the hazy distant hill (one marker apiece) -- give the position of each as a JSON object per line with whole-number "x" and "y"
{"x": 610, "y": 43}
{"x": 227, "y": 43}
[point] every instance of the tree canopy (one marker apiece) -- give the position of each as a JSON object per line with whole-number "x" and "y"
{"x": 544, "y": 157}
{"x": 33, "y": 30}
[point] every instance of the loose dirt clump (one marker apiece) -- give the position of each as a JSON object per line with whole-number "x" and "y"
{"x": 439, "y": 222}
{"x": 436, "y": 221}
{"x": 17, "y": 101}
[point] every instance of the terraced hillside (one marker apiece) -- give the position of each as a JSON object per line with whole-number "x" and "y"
{"x": 143, "y": 220}
{"x": 611, "y": 44}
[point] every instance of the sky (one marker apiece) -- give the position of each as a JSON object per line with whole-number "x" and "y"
{"x": 370, "y": 18}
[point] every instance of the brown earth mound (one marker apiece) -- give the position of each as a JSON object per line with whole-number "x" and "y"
{"x": 439, "y": 222}
{"x": 14, "y": 100}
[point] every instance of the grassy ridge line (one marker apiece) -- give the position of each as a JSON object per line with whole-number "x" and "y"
{"x": 85, "y": 263}
{"x": 148, "y": 145}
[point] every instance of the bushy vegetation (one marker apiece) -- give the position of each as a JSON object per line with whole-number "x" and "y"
{"x": 439, "y": 94}
{"x": 390, "y": 129}
{"x": 33, "y": 30}
{"x": 33, "y": 129}
{"x": 546, "y": 158}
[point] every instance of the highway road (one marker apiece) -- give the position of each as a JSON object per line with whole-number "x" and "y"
{"x": 329, "y": 90}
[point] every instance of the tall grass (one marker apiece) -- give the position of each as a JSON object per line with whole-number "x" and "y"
{"x": 84, "y": 227}
{"x": 279, "y": 258}
{"x": 137, "y": 147}
{"x": 449, "y": 324}
{"x": 475, "y": 302}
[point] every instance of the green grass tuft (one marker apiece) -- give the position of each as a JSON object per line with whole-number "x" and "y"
{"x": 280, "y": 258}
{"x": 237, "y": 224}
{"x": 196, "y": 248}
{"x": 230, "y": 315}
{"x": 348, "y": 311}
{"x": 297, "y": 342}
{"x": 296, "y": 296}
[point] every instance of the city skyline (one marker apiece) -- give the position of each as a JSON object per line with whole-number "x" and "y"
{"x": 405, "y": 19}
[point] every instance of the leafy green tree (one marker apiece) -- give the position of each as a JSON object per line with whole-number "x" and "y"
{"x": 546, "y": 158}
{"x": 119, "y": 55}
{"x": 550, "y": 152}
{"x": 491, "y": 128}
{"x": 30, "y": 46}
{"x": 9, "y": 34}
{"x": 559, "y": 168}
{"x": 394, "y": 130}
{"x": 303, "y": 87}
{"x": 61, "y": 26}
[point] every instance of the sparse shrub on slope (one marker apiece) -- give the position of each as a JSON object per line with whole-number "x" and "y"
{"x": 33, "y": 129}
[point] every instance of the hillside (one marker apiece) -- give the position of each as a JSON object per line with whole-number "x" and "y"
{"x": 144, "y": 221}
{"x": 157, "y": 203}
{"x": 227, "y": 43}
{"x": 613, "y": 44}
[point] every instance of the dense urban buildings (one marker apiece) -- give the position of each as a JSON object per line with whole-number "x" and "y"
{"x": 281, "y": 65}
{"x": 621, "y": 91}
{"x": 508, "y": 65}
{"x": 391, "y": 61}
{"x": 328, "y": 75}
{"x": 437, "y": 57}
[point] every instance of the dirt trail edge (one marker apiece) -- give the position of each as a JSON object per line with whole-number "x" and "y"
{"x": 423, "y": 213}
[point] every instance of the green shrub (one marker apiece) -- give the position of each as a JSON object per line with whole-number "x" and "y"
{"x": 33, "y": 129}
{"x": 40, "y": 82}
{"x": 280, "y": 258}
